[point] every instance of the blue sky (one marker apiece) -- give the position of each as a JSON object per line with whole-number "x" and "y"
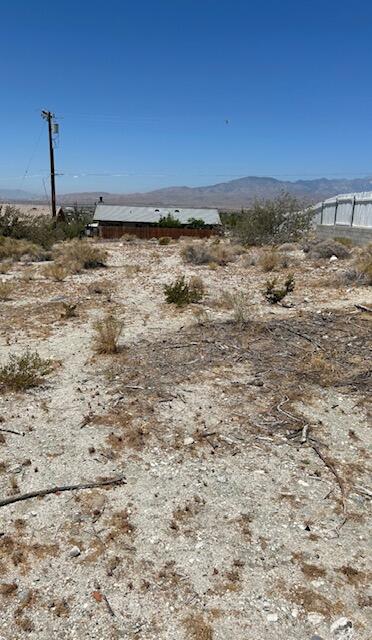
{"x": 142, "y": 91}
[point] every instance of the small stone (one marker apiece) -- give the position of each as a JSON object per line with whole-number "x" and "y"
{"x": 316, "y": 637}
{"x": 188, "y": 441}
{"x": 272, "y": 617}
{"x": 315, "y": 618}
{"x": 341, "y": 626}
{"x": 333, "y": 258}
{"x": 74, "y": 552}
{"x": 294, "y": 613}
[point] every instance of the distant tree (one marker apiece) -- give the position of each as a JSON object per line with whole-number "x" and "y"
{"x": 196, "y": 223}
{"x": 169, "y": 221}
{"x": 283, "y": 219}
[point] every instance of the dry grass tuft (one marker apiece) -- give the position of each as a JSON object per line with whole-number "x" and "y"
{"x": 57, "y": 270}
{"x": 5, "y": 266}
{"x": 197, "y": 628}
{"x": 6, "y": 289}
{"x": 327, "y": 249}
{"x": 271, "y": 260}
{"x": 107, "y": 334}
{"x": 201, "y": 253}
{"x": 15, "y": 249}
{"x": 164, "y": 240}
{"x": 79, "y": 254}
{"x": 24, "y": 371}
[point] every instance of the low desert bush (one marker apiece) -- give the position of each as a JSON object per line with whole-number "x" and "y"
{"x": 347, "y": 242}
{"x": 6, "y": 289}
{"x": 57, "y": 270}
{"x": 24, "y": 371}
{"x": 363, "y": 265}
{"x": 238, "y": 302}
{"x": 271, "y": 260}
{"x": 200, "y": 253}
{"x": 327, "y": 249}
{"x": 181, "y": 292}
{"x": 165, "y": 240}
{"x": 69, "y": 310}
{"x": 107, "y": 334}
{"x": 80, "y": 254}
{"x": 5, "y": 266}
{"x": 128, "y": 237}
{"x": 15, "y": 249}
{"x": 274, "y": 293}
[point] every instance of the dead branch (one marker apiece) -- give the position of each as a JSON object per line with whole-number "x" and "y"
{"x": 16, "y": 433}
{"x": 329, "y": 464}
{"x": 361, "y": 307}
{"x": 69, "y": 487}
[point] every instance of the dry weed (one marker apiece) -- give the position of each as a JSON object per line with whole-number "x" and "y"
{"x": 197, "y": 628}
{"x": 57, "y": 270}
{"x": 6, "y": 289}
{"x": 271, "y": 260}
{"x": 201, "y": 253}
{"x": 5, "y": 266}
{"x": 107, "y": 334}
{"x": 80, "y": 254}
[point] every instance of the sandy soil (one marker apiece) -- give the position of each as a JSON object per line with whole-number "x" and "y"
{"x": 244, "y": 447}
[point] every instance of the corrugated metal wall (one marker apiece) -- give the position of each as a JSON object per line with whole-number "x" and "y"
{"x": 354, "y": 210}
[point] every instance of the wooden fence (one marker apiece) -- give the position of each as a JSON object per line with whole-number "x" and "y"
{"x": 113, "y": 232}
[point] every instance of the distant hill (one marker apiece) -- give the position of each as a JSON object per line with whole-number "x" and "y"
{"x": 10, "y": 195}
{"x": 235, "y": 193}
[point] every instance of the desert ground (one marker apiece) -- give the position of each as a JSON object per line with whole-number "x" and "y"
{"x": 235, "y": 433}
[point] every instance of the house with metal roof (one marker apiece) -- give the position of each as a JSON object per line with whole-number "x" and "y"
{"x": 116, "y": 220}
{"x": 347, "y": 215}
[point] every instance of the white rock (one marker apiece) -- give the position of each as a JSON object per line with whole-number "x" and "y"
{"x": 294, "y": 613}
{"x": 74, "y": 552}
{"x": 341, "y": 625}
{"x": 333, "y": 258}
{"x": 272, "y": 617}
{"x": 315, "y": 618}
{"x": 188, "y": 441}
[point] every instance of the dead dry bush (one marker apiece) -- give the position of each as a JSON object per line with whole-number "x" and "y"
{"x": 5, "y": 266}
{"x": 201, "y": 253}
{"x": 360, "y": 271}
{"x": 363, "y": 264}
{"x": 272, "y": 260}
{"x": 24, "y": 371}
{"x": 128, "y": 237}
{"x": 164, "y": 240}
{"x": 327, "y": 249}
{"x": 6, "y": 289}
{"x": 107, "y": 334}
{"x": 197, "y": 628}
{"x": 57, "y": 271}
{"x": 13, "y": 249}
{"x": 79, "y": 254}
{"x": 239, "y": 302}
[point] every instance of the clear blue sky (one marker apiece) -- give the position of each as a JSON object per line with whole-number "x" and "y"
{"x": 142, "y": 89}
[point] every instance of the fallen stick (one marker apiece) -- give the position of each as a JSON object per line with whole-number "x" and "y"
{"x": 68, "y": 487}
{"x": 333, "y": 469}
{"x": 16, "y": 433}
{"x": 361, "y": 307}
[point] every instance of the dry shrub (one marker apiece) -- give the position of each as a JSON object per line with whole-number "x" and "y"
{"x": 288, "y": 247}
{"x": 69, "y": 310}
{"x": 239, "y": 302}
{"x": 5, "y": 266}
{"x": 271, "y": 261}
{"x": 347, "y": 242}
{"x": 165, "y": 240}
{"x": 107, "y": 334}
{"x": 57, "y": 270}
{"x": 197, "y": 628}
{"x": 363, "y": 264}
{"x": 80, "y": 254}
{"x": 318, "y": 369}
{"x": 24, "y": 371}
{"x": 15, "y": 249}
{"x": 200, "y": 253}
{"x": 128, "y": 237}
{"x": 6, "y": 289}
{"x": 327, "y": 249}
{"x": 274, "y": 293}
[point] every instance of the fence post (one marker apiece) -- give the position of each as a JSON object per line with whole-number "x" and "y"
{"x": 321, "y": 213}
{"x": 335, "y": 220}
{"x": 352, "y": 212}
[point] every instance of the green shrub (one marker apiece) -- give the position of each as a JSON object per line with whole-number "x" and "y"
{"x": 274, "y": 294}
{"x": 182, "y": 293}
{"x": 24, "y": 371}
{"x": 283, "y": 219}
{"x": 196, "y": 223}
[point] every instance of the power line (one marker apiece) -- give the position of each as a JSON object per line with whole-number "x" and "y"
{"x": 32, "y": 156}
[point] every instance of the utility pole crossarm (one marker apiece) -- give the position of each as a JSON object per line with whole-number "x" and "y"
{"x": 48, "y": 115}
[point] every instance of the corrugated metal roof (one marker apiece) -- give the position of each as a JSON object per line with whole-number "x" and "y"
{"x": 119, "y": 213}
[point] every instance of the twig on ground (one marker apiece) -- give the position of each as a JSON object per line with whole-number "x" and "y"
{"x": 16, "y": 433}
{"x": 361, "y": 307}
{"x": 69, "y": 487}
{"x": 339, "y": 480}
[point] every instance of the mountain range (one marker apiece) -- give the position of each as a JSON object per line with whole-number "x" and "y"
{"x": 233, "y": 194}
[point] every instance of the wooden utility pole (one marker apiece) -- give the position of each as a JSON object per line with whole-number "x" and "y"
{"x": 48, "y": 115}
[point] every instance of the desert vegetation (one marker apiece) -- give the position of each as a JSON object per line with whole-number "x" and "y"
{"x": 192, "y": 423}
